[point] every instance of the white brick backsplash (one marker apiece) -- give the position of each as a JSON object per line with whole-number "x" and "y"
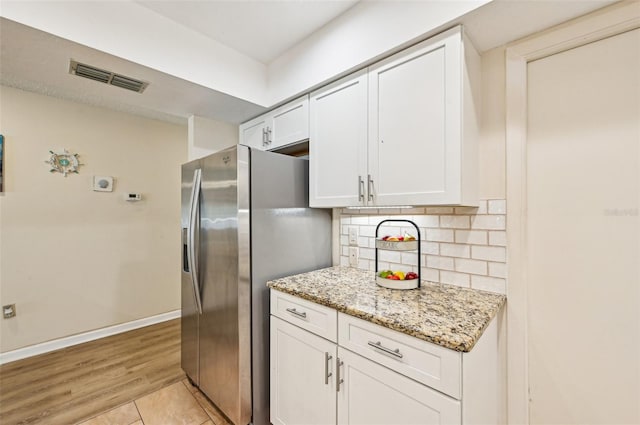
{"x": 412, "y": 210}
{"x": 455, "y": 250}
{"x": 430, "y": 275}
{"x": 410, "y": 258}
{"x": 498, "y": 270}
{"x": 472, "y": 237}
{"x": 497, "y": 206}
{"x": 363, "y": 264}
{"x": 390, "y": 256}
{"x": 427, "y": 220}
{"x": 430, "y": 248}
{"x": 367, "y": 231}
{"x": 367, "y": 253}
{"x": 489, "y": 253}
{"x": 454, "y": 221}
{"x": 466, "y": 210}
{"x": 482, "y": 207}
{"x": 454, "y": 278}
{"x": 439, "y": 210}
{"x": 492, "y": 284}
{"x": 471, "y": 266}
{"x": 464, "y": 246}
{"x": 360, "y": 219}
{"x": 437, "y": 262}
{"x": 488, "y": 222}
{"x": 439, "y": 235}
{"x": 498, "y": 238}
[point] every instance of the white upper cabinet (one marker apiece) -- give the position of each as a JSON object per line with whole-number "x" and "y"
{"x": 283, "y": 126}
{"x": 338, "y": 143}
{"x": 421, "y": 139}
{"x": 253, "y": 133}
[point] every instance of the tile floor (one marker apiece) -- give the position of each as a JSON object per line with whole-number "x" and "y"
{"x": 177, "y": 404}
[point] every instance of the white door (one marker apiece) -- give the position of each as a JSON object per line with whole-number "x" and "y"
{"x": 338, "y": 143}
{"x": 414, "y": 138}
{"x": 583, "y": 233}
{"x": 302, "y": 392}
{"x": 252, "y": 133}
{"x": 371, "y": 394}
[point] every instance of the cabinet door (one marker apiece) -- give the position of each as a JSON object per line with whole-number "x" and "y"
{"x": 372, "y": 394}
{"x": 289, "y": 123}
{"x": 414, "y": 124}
{"x": 301, "y": 393}
{"x": 338, "y": 143}
{"x": 252, "y": 133}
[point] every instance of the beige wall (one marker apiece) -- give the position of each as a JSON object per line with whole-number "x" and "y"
{"x": 73, "y": 259}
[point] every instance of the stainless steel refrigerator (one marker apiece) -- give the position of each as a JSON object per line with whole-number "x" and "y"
{"x": 245, "y": 220}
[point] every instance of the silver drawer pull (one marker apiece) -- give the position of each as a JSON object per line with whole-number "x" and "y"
{"x": 297, "y": 313}
{"x": 380, "y": 347}
{"x": 327, "y": 374}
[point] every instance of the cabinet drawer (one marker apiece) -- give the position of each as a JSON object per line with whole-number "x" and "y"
{"x": 313, "y": 317}
{"x": 435, "y": 366}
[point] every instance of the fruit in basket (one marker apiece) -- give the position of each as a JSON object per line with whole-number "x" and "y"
{"x": 384, "y": 238}
{"x": 408, "y": 237}
{"x": 392, "y": 239}
{"x": 411, "y": 276}
{"x": 400, "y": 275}
{"x": 393, "y": 277}
{"x": 385, "y": 274}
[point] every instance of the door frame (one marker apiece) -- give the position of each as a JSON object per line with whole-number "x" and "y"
{"x": 607, "y": 22}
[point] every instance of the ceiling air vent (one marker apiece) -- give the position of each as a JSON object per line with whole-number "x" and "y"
{"x": 107, "y": 77}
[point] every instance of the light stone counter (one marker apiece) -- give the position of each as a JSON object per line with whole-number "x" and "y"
{"x": 446, "y": 315}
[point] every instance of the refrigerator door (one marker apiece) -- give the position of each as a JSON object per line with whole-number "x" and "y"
{"x": 287, "y": 238}
{"x": 225, "y": 369}
{"x": 190, "y": 314}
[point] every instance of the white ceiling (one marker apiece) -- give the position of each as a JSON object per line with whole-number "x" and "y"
{"x": 37, "y": 61}
{"x": 261, "y": 29}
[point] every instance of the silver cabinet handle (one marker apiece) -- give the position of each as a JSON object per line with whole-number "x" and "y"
{"x": 297, "y": 313}
{"x": 327, "y": 374}
{"x": 360, "y": 189}
{"x": 339, "y": 380}
{"x": 269, "y": 135}
{"x": 378, "y": 345}
{"x": 370, "y": 187}
{"x": 264, "y": 136}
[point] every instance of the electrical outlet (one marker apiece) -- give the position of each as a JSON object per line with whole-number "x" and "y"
{"x": 9, "y": 311}
{"x": 353, "y": 257}
{"x": 353, "y": 236}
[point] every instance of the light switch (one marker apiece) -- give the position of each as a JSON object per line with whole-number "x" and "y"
{"x": 103, "y": 183}
{"x": 353, "y": 236}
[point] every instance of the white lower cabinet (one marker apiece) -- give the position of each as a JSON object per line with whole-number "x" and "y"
{"x": 360, "y": 373}
{"x": 302, "y": 382}
{"x": 373, "y": 394}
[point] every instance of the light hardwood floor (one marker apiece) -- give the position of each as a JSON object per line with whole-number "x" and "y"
{"x": 76, "y": 383}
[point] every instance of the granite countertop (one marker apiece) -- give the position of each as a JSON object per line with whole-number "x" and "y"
{"x": 447, "y": 315}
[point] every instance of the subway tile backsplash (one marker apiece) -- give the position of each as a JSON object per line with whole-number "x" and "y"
{"x": 462, "y": 246}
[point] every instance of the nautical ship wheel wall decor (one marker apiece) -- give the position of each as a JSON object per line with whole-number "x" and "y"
{"x": 63, "y": 162}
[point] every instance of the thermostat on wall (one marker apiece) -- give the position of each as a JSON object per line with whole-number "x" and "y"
{"x": 132, "y": 197}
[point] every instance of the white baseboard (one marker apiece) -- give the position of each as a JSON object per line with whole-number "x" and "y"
{"x": 56, "y": 344}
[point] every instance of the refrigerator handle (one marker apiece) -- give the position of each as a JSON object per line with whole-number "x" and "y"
{"x": 192, "y": 257}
